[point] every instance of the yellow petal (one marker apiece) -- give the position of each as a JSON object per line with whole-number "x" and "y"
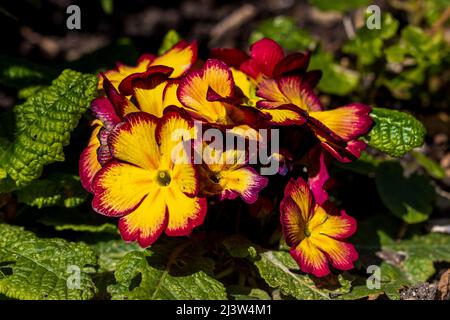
{"x": 146, "y": 223}
{"x": 134, "y": 141}
{"x": 119, "y": 187}
{"x": 185, "y": 212}
{"x": 151, "y": 100}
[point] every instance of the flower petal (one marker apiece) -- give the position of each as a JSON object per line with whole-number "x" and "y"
{"x": 134, "y": 141}
{"x": 295, "y": 211}
{"x": 193, "y": 90}
{"x": 180, "y": 57}
{"x": 151, "y": 100}
{"x": 149, "y": 79}
{"x": 173, "y": 134}
{"x": 185, "y": 213}
{"x": 283, "y": 116}
{"x": 185, "y": 176}
{"x": 265, "y": 54}
{"x": 122, "y": 105}
{"x": 146, "y": 223}
{"x": 299, "y": 192}
{"x": 246, "y": 85}
{"x": 170, "y": 97}
{"x": 122, "y": 71}
{"x": 88, "y": 164}
{"x": 299, "y": 93}
{"x": 344, "y": 154}
{"x": 232, "y": 57}
{"x": 287, "y": 90}
{"x": 318, "y": 174}
{"x": 104, "y": 111}
{"x": 119, "y": 188}
{"x": 349, "y": 122}
{"x": 335, "y": 226}
{"x": 294, "y": 62}
{"x": 342, "y": 255}
{"x": 310, "y": 258}
{"x": 244, "y": 182}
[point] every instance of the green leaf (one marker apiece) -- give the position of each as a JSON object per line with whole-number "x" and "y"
{"x": 335, "y": 78}
{"x": 174, "y": 271}
{"x": 44, "y": 123}
{"x": 76, "y": 220}
{"x": 434, "y": 9}
{"x": 111, "y": 252}
{"x": 34, "y": 268}
{"x": 285, "y": 31}
{"x": 107, "y": 6}
{"x": 30, "y": 91}
{"x": 170, "y": 39}
{"x": 368, "y": 43}
{"x": 57, "y": 190}
{"x": 392, "y": 280}
{"x": 20, "y": 73}
{"x": 395, "y": 132}
{"x": 409, "y": 198}
{"x": 278, "y": 269}
{"x": 433, "y": 168}
{"x": 327, "y": 5}
{"x": 247, "y": 293}
{"x": 421, "y": 252}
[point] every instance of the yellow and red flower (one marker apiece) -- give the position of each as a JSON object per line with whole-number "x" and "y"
{"x": 179, "y": 58}
{"x": 337, "y": 129}
{"x": 143, "y": 185}
{"x": 267, "y": 60}
{"x": 316, "y": 237}
{"x": 227, "y": 174}
{"x": 130, "y": 168}
{"x": 209, "y": 95}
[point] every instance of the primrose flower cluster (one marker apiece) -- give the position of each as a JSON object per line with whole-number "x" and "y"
{"x": 139, "y": 163}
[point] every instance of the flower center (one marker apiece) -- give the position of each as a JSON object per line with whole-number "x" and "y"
{"x": 215, "y": 177}
{"x": 307, "y": 231}
{"x": 163, "y": 178}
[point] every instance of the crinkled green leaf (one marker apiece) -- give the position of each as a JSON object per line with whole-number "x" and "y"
{"x": 395, "y": 132}
{"x": 30, "y": 91}
{"x": 336, "y": 79}
{"x": 432, "y": 167}
{"x": 392, "y": 280}
{"x": 421, "y": 252}
{"x": 34, "y": 268}
{"x": 409, "y": 198}
{"x": 170, "y": 39}
{"x": 44, "y": 123}
{"x": 368, "y": 43}
{"x": 174, "y": 271}
{"x": 20, "y": 73}
{"x": 111, "y": 252}
{"x": 57, "y": 190}
{"x": 285, "y": 31}
{"x": 279, "y": 270}
{"x": 327, "y": 5}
